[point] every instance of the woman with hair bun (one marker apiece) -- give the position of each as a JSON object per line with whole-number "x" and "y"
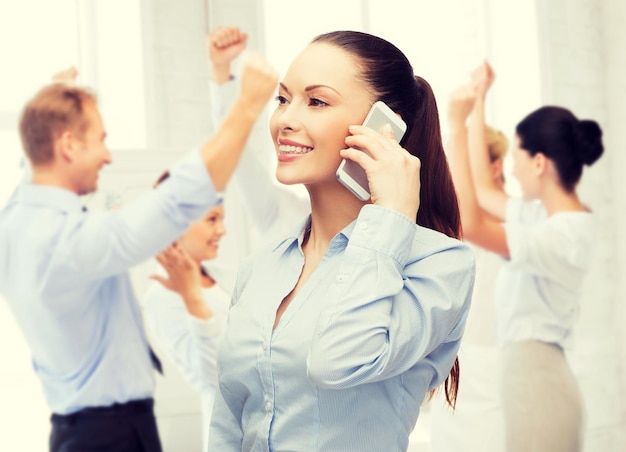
{"x": 546, "y": 238}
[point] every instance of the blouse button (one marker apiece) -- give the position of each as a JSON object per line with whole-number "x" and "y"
{"x": 268, "y": 406}
{"x": 363, "y": 225}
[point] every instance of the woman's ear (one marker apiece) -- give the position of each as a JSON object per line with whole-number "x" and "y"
{"x": 541, "y": 163}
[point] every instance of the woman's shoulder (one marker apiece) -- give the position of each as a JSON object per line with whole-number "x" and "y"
{"x": 431, "y": 247}
{"x": 519, "y": 210}
{"x": 434, "y": 240}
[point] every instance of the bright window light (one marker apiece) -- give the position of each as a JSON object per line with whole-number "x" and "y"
{"x": 119, "y": 70}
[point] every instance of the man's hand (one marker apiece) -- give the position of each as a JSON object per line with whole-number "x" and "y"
{"x": 224, "y": 45}
{"x": 460, "y": 106}
{"x": 66, "y": 76}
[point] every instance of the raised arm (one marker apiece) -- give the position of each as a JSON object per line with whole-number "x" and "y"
{"x": 489, "y": 196}
{"x": 265, "y": 201}
{"x": 221, "y": 153}
{"x": 400, "y": 294}
{"x": 224, "y": 45}
{"x": 478, "y": 227}
{"x": 107, "y": 243}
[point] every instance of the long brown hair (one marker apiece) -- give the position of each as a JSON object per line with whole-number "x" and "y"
{"x": 390, "y": 76}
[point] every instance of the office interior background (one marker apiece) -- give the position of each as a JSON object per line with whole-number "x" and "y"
{"x": 147, "y": 60}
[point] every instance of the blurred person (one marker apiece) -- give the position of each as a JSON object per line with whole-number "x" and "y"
{"x": 186, "y": 307}
{"x": 545, "y": 237}
{"x": 65, "y": 270}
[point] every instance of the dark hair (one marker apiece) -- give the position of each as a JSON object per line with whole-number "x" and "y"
{"x": 569, "y": 142}
{"x": 53, "y": 110}
{"x": 390, "y": 76}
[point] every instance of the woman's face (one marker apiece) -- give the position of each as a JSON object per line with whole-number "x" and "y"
{"x": 525, "y": 171}
{"x": 320, "y": 96}
{"x": 202, "y": 239}
{"x": 497, "y": 173}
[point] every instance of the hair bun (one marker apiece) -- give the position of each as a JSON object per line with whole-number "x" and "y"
{"x": 589, "y": 147}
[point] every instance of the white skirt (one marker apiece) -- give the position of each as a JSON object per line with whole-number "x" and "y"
{"x": 541, "y": 399}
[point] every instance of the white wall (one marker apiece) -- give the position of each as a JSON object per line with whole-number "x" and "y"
{"x": 584, "y": 69}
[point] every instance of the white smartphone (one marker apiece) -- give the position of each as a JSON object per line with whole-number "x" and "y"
{"x": 350, "y": 173}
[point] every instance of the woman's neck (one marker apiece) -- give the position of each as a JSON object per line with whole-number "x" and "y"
{"x": 332, "y": 209}
{"x": 555, "y": 199}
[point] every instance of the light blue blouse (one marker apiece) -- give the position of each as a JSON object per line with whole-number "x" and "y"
{"x": 375, "y": 327}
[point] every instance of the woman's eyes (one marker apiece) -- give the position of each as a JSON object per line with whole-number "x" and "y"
{"x": 317, "y": 102}
{"x": 313, "y": 101}
{"x": 282, "y": 100}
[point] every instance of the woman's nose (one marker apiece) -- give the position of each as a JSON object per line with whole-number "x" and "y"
{"x": 287, "y": 117}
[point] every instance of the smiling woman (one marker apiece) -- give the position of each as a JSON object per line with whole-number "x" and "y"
{"x": 317, "y": 101}
{"x": 364, "y": 306}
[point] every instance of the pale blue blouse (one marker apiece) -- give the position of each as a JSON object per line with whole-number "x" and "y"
{"x": 376, "y": 326}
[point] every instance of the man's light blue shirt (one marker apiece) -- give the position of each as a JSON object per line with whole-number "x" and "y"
{"x": 64, "y": 273}
{"x": 375, "y": 327}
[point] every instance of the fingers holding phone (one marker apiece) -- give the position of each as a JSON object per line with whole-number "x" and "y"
{"x": 386, "y": 173}
{"x": 350, "y": 173}
{"x": 392, "y": 173}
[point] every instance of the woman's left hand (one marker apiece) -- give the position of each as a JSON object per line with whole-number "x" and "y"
{"x": 392, "y": 172}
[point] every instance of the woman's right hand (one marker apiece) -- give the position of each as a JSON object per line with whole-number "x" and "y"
{"x": 392, "y": 172}
{"x": 184, "y": 278}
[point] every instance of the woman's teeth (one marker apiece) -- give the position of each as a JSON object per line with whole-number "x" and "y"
{"x": 285, "y": 149}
